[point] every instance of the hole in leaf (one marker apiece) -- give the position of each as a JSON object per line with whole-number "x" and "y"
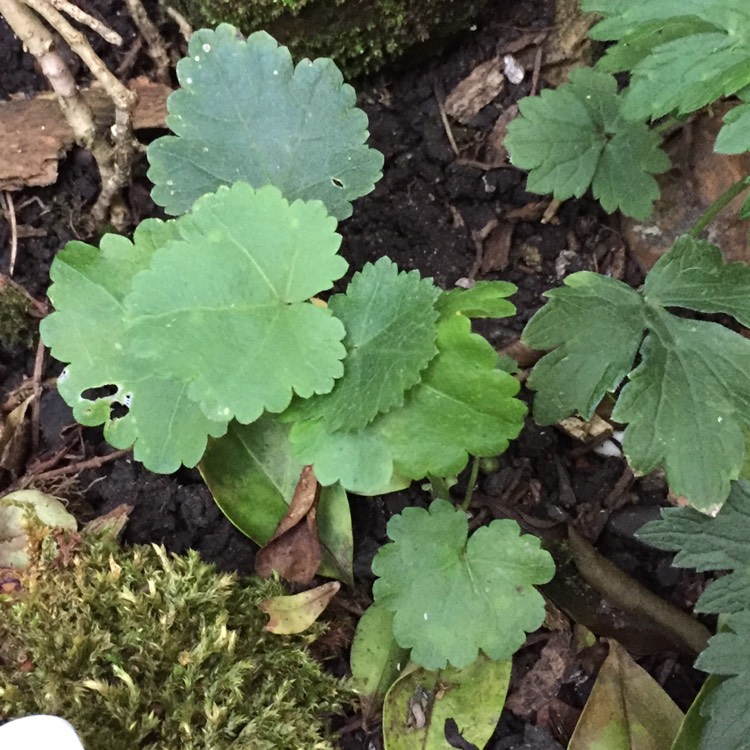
{"x": 337, "y": 182}
{"x": 103, "y": 391}
{"x": 118, "y": 411}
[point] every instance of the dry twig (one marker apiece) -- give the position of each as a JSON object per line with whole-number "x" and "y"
{"x": 154, "y": 43}
{"x": 10, "y": 214}
{"x": 84, "y": 18}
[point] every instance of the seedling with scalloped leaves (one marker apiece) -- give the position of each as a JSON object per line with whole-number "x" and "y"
{"x": 209, "y": 330}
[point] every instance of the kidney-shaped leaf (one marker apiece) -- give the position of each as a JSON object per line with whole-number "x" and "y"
{"x": 484, "y": 597}
{"x": 225, "y": 309}
{"x": 243, "y": 112}
{"x": 88, "y": 330}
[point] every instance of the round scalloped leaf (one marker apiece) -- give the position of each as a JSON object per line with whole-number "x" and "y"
{"x": 243, "y": 112}
{"x": 225, "y": 307}
{"x": 484, "y": 597}
{"x": 390, "y": 338}
{"x": 88, "y": 331}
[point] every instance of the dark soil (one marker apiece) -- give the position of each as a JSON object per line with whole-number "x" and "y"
{"x": 425, "y": 214}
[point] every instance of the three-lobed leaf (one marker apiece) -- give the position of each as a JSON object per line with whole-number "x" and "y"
{"x": 245, "y": 113}
{"x": 484, "y": 598}
{"x": 688, "y": 400}
{"x": 575, "y": 137}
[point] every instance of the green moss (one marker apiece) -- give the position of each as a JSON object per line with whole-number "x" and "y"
{"x": 140, "y": 649}
{"x": 360, "y": 35}
{"x": 16, "y": 326}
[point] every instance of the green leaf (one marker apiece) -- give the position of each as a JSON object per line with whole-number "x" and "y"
{"x": 691, "y": 731}
{"x": 462, "y": 406}
{"x": 574, "y": 137}
{"x": 688, "y": 401}
{"x": 389, "y": 319}
{"x": 734, "y": 136}
{"x": 473, "y": 697}
{"x": 484, "y": 597}
{"x": 702, "y": 56}
{"x": 486, "y": 299}
{"x": 727, "y": 707}
{"x": 243, "y": 112}
{"x": 252, "y": 477}
{"x": 376, "y": 658}
{"x": 710, "y": 543}
{"x": 237, "y": 282}
{"x": 592, "y": 352}
{"x": 88, "y": 330}
{"x": 627, "y": 709}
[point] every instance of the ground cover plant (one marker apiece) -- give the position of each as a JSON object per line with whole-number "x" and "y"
{"x": 207, "y": 330}
{"x": 148, "y": 323}
{"x": 679, "y": 383}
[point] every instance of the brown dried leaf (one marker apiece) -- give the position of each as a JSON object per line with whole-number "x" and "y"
{"x": 15, "y": 433}
{"x": 294, "y": 550}
{"x": 495, "y": 151}
{"x": 476, "y": 91}
{"x": 687, "y": 192}
{"x": 542, "y": 682}
{"x": 496, "y": 248}
{"x": 295, "y": 614}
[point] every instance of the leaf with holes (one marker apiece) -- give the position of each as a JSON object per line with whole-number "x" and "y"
{"x": 225, "y": 307}
{"x": 484, "y": 597}
{"x": 243, "y": 112}
{"x": 88, "y": 331}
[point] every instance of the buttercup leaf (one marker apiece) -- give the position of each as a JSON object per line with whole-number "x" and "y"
{"x": 243, "y": 112}
{"x": 486, "y": 299}
{"x": 688, "y": 401}
{"x": 88, "y": 331}
{"x": 574, "y": 137}
{"x": 239, "y": 279}
{"x": 484, "y": 597}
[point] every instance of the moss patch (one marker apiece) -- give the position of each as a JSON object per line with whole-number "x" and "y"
{"x": 140, "y": 649}
{"x": 16, "y": 324}
{"x": 360, "y": 35}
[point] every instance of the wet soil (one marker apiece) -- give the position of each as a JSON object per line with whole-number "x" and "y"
{"x": 428, "y": 213}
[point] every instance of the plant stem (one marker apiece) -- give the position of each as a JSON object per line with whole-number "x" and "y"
{"x": 472, "y": 483}
{"x": 720, "y": 203}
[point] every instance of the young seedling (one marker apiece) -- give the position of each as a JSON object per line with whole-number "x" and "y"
{"x": 209, "y": 331}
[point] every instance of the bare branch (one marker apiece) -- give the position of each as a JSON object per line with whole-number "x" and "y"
{"x": 84, "y": 18}
{"x": 154, "y": 43}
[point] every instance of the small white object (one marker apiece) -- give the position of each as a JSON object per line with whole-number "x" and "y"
{"x": 514, "y": 72}
{"x": 39, "y": 733}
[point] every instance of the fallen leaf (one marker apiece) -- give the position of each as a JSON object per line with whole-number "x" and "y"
{"x": 14, "y": 439}
{"x": 420, "y": 702}
{"x": 567, "y": 45}
{"x": 627, "y": 709}
{"x": 496, "y": 248}
{"x": 495, "y": 152}
{"x": 15, "y": 510}
{"x": 541, "y": 683}
{"x": 686, "y": 193}
{"x": 476, "y": 91}
{"x": 294, "y": 550}
{"x": 294, "y": 614}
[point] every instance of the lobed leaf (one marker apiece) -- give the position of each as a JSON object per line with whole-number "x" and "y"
{"x": 734, "y": 136}
{"x": 462, "y": 405}
{"x": 237, "y": 281}
{"x": 244, "y": 113}
{"x": 574, "y": 137}
{"x": 484, "y": 597}
{"x": 89, "y": 331}
{"x": 486, "y": 299}
{"x": 389, "y": 319}
{"x": 687, "y": 402}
